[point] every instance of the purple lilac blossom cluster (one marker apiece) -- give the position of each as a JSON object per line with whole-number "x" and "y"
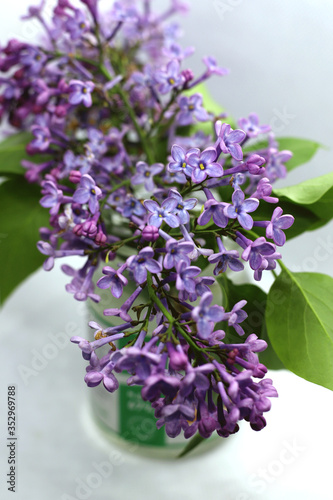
{"x": 115, "y": 114}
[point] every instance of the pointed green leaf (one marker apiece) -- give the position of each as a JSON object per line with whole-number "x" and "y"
{"x": 21, "y": 217}
{"x": 299, "y": 318}
{"x": 191, "y": 445}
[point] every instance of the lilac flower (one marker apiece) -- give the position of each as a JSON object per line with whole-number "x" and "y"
{"x": 162, "y": 213}
{"x": 42, "y": 137}
{"x": 97, "y": 372}
{"x": 145, "y": 173}
{"x": 122, "y": 13}
{"x": 172, "y": 177}
{"x": 264, "y": 190}
{"x": 88, "y": 192}
{"x": 174, "y": 416}
{"x": 185, "y": 275}
{"x": 229, "y": 140}
{"x": 180, "y": 163}
{"x": 123, "y": 311}
{"x": 80, "y": 92}
{"x": 143, "y": 262}
{"x": 175, "y": 51}
{"x": 53, "y": 197}
{"x": 267, "y": 264}
{"x": 240, "y": 208}
{"x": 77, "y": 25}
{"x": 195, "y": 378}
{"x": 255, "y": 251}
{"x": 132, "y": 206}
{"x": 204, "y": 165}
{"x": 276, "y": 224}
{"x": 34, "y": 59}
{"x": 206, "y": 316}
{"x": 175, "y": 252}
{"x": 158, "y": 383}
{"x": 178, "y": 360}
{"x": 251, "y": 126}
{"x": 45, "y": 248}
{"x": 137, "y": 361}
{"x": 113, "y": 279}
{"x": 275, "y": 168}
{"x": 191, "y": 109}
{"x": 213, "y": 68}
{"x": 215, "y": 209}
{"x": 254, "y": 164}
{"x": 225, "y": 258}
{"x": 81, "y": 285}
{"x": 97, "y": 142}
{"x": 205, "y": 422}
{"x": 170, "y": 78}
{"x": 182, "y": 207}
{"x": 150, "y": 233}
{"x": 236, "y": 316}
{"x": 34, "y": 11}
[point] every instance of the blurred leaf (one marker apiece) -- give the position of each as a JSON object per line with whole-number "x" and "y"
{"x": 12, "y": 152}
{"x": 21, "y": 217}
{"x": 302, "y": 331}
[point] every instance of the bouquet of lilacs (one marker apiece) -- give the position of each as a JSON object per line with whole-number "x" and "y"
{"x": 137, "y": 165}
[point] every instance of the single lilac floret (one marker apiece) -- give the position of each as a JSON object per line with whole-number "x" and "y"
{"x": 204, "y": 165}
{"x": 229, "y": 140}
{"x": 180, "y": 163}
{"x": 240, "y": 208}
{"x": 276, "y": 224}
{"x": 162, "y": 213}
{"x": 185, "y": 276}
{"x": 80, "y": 92}
{"x": 215, "y": 209}
{"x": 88, "y": 192}
{"x": 182, "y": 207}
{"x": 206, "y": 316}
{"x": 114, "y": 280}
{"x": 143, "y": 262}
{"x": 145, "y": 173}
{"x": 170, "y": 78}
{"x": 191, "y": 109}
{"x": 251, "y": 126}
{"x": 225, "y": 258}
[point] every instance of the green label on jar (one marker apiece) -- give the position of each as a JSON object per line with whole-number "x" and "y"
{"x": 136, "y": 418}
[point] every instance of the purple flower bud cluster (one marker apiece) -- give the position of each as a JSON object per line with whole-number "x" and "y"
{"x": 124, "y": 167}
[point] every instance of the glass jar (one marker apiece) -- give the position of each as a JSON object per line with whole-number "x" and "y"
{"x": 124, "y": 417}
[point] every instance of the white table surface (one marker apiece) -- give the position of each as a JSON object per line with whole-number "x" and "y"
{"x": 280, "y": 56}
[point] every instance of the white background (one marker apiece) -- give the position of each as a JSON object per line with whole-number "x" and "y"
{"x": 279, "y": 54}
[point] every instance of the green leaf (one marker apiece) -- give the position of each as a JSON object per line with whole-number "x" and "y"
{"x": 21, "y": 217}
{"x": 300, "y": 324}
{"x": 12, "y": 152}
{"x": 310, "y": 202}
{"x": 193, "y": 443}
{"x": 255, "y": 322}
{"x": 302, "y": 149}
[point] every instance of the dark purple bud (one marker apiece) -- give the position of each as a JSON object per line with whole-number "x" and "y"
{"x": 150, "y": 233}
{"x": 75, "y": 176}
